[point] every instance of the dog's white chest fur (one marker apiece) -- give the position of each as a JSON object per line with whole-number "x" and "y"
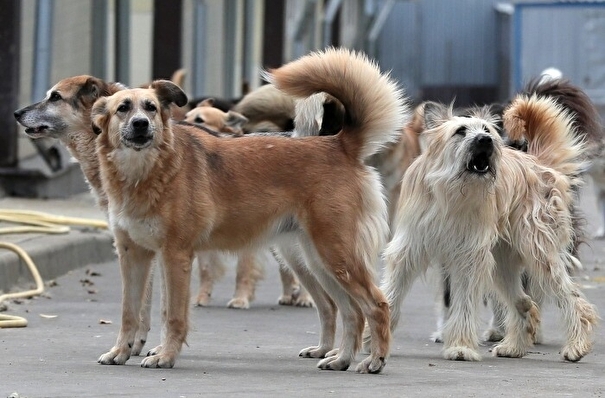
{"x": 147, "y": 232}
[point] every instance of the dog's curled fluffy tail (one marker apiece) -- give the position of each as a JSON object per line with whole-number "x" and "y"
{"x": 374, "y": 106}
{"x": 549, "y": 130}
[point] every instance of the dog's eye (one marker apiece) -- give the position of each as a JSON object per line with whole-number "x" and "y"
{"x": 150, "y": 107}
{"x": 54, "y": 96}
{"x": 199, "y": 120}
{"x": 123, "y": 108}
{"x": 461, "y": 131}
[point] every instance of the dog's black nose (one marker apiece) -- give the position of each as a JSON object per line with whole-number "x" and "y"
{"x": 484, "y": 141}
{"x": 140, "y": 124}
{"x": 18, "y": 113}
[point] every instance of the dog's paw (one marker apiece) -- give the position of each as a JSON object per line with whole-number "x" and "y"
{"x": 437, "y": 337}
{"x": 313, "y": 352}
{"x": 493, "y": 335}
{"x": 461, "y": 353}
{"x": 137, "y": 347}
{"x": 304, "y": 300}
{"x": 116, "y": 356}
{"x": 238, "y": 303}
{"x": 154, "y": 351}
{"x": 202, "y": 300}
{"x": 573, "y": 353}
{"x": 371, "y": 365}
{"x": 285, "y": 299}
{"x": 508, "y": 351}
{"x": 158, "y": 361}
{"x": 334, "y": 363}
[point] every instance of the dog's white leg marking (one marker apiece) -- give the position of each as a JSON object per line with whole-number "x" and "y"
{"x": 326, "y": 309}
{"x": 135, "y": 265}
{"x": 211, "y": 268}
{"x": 248, "y": 273}
{"x": 579, "y": 316}
{"x": 177, "y": 271}
{"x": 145, "y": 319}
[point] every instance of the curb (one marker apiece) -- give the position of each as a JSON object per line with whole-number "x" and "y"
{"x": 55, "y": 255}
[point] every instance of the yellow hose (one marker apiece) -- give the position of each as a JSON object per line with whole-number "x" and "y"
{"x": 37, "y": 222}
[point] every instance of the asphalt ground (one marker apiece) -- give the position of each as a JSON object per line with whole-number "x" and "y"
{"x": 254, "y": 352}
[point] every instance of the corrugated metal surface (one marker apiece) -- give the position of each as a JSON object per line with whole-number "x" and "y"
{"x": 568, "y": 36}
{"x": 441, "y": 43}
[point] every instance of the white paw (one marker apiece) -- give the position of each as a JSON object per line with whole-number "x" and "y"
{"x": 461, "y": 353}
{"x": 158, "y": 361}
{"x": 334, "y": 363}
{"x": 371, "y": 365}
{"x": 313, "y": 352}
{"x": 239, "y": 303}
{"x": 508, "y": 350}
{"x": 116, "y": 356}
{"x": 137, "y": 347}
{"x": 437, "y": 337}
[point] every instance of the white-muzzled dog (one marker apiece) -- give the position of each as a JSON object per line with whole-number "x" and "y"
{"x": 174, "y": 189}
{"x": 486, "y": 212}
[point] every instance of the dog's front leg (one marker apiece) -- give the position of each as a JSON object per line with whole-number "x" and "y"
{"x": 176, "y": 266}
{"x": 468, "y": 285}
{"x": 135, "y": 266}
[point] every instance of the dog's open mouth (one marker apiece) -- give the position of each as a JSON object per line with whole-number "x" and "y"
{"x": 138, "y": 142}
{"x": 36, "y": 131}
{"x": 479, "y": 163}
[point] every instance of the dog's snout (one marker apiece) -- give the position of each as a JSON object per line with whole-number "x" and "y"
{"x": 140, "y": 124}
{"x": 18, "y": 113}
{"x": 484, "y": 141}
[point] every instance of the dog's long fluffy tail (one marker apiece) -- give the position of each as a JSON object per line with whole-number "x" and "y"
{"x": 374, "y": 105}
{"x": 549, "y": 130}
{"x": 585, "y": 115}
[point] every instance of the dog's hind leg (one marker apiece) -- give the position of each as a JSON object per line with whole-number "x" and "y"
{"x": 211, "y": 268}
{"x": 135, "y": 266}
{"x": 293, "y": 292}
{"x": 522, "y": 317}
{"x": 350, "y": 312}
{"x": 176, "y": 266}
{"x": 248, "y": 273}
{"x": 326, "y": 309}
{"x": 350, "y": 283}
{"x": 495, "y": 331}
{"x": 579, "y": 316}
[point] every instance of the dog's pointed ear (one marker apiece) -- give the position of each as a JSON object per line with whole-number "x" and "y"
{"x": 434, "y": 114}
{"x": 169, "y": 93}
{"x": 98, "y": 115}
{"x": 206, "y": 102}
{"x": 235, "y": 120}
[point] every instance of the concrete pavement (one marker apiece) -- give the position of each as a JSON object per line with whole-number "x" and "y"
{"x": 254, "y": 352}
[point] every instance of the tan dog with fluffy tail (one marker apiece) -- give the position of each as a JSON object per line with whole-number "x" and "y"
{"x": 175, "y": 189}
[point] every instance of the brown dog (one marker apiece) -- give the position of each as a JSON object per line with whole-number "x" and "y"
{"x": 230, "y": 122}
{"x": 174, "y": 190}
